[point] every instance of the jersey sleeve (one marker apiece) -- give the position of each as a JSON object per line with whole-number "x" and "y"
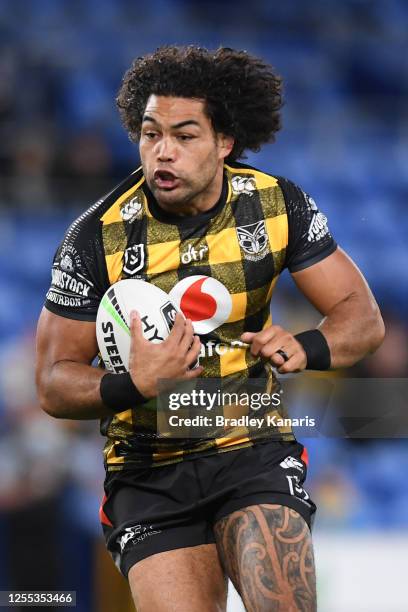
{"x": 78, "y": 277}
{"x": 309, "y": 238}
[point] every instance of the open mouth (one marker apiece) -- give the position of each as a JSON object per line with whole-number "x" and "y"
{"x": 165, "y": 179}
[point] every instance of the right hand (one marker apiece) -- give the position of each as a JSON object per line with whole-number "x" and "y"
{"x": 172, "y": 358}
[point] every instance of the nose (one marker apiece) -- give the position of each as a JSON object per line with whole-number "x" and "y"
{"x": 165, "y": 149}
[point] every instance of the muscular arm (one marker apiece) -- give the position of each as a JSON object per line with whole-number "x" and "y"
{"x": 352, "y": 323}
{"x": 68, "y": 386}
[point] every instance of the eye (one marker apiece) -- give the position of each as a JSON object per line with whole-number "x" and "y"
{"x": 149, "y": 135}
{"x": 185, "y": 137}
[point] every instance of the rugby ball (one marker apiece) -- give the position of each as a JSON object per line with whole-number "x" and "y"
{"x": 156, "y": 311}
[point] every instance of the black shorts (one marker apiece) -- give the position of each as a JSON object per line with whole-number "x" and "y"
{"x": 150, "y": 510}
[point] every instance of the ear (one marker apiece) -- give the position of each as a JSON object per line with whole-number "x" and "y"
{"x": 225, "y": 145}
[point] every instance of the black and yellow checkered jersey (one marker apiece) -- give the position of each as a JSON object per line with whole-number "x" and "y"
{"x": 261, "y": 225}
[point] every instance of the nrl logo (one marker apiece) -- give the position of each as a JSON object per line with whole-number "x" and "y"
{"x": 253, "y": 240}
{"x": 134, "y": 259}
{"x": 243, "y": 184}
{"x": 132, "y": 210}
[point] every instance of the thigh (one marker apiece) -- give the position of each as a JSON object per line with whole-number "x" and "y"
{"x": 152, "y": 511}
{"x": 267, "y": 552}
{"x": 182, "y": 580}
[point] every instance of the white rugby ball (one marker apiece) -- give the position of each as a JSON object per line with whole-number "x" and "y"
{"x": 156, "y": 311}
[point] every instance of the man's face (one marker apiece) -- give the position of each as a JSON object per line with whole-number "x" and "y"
{"x": 182, "y": 156}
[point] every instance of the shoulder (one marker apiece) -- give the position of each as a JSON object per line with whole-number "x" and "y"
{"x": 246, "y": 179}
{"x": 90, "y": 221}
{"x": 308, "y": 236}
{"x": 79, "y": 273}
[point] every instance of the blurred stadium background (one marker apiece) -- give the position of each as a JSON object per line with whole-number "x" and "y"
{"x": 345, "y": 136}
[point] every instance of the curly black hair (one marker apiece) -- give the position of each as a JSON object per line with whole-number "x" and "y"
{"x": 242, "y": 93}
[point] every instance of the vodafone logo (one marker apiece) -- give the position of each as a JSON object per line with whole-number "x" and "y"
{"x": 204, "y": 300}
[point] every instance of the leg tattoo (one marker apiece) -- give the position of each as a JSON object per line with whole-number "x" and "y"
{"x": 267, "y": 552}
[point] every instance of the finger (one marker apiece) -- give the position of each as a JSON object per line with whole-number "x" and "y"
{"x": 194, "y": 351}
{"x": 292, "y": 365}
{"x": 247, "y": 336}
{"x": 297, "y": 361}
{"x": 177, "y": 330}
{"x": 258, "y": 337}
{"x": 136, "y": 330}
{"x": 193, "y": 373}
{"x": 266, "y": 335}
{"x": 277, "y": 360}
{"x": 188, "y": 337}
{"x": 278, "y": 344}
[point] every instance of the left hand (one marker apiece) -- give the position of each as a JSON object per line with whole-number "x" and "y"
{"x": 267, "y": 342}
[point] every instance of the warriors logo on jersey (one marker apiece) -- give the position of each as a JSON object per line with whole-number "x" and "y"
{"x": 253, "y": 239}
